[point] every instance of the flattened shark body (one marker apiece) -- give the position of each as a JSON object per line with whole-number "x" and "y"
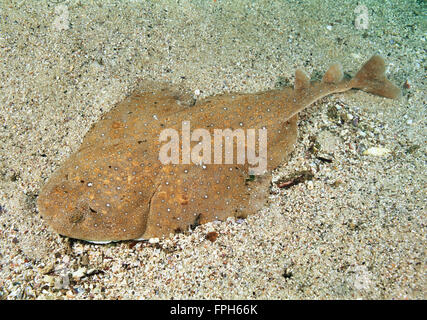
{"x": 115, "y": 187}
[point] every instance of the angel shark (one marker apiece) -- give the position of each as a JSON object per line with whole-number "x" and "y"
{"x": 114, "y": 187}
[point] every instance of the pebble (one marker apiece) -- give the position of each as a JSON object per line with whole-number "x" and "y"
{"x": 47, "y": 268}
{"x": 327, "y": 141}
{"x": 85, "y": 260}
{"x": 62, "y": 282}
{"x": 66, "y": 259}
{"x": 153, "y": 240}
{"x": 212, "y": 236}
{"x": 81, "y": 272}
{"x": 376, "y": 151}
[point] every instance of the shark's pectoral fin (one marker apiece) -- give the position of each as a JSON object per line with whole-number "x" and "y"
{"x": 189, "y": 195}
{"x": 282, "y": 145}
{"x": 177, "y": 204}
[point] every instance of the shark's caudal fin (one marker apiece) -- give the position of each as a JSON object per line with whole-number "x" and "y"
{"x": 371, "y": 78}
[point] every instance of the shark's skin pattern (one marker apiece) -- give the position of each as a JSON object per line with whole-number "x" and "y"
{"x": 115, "y": 188}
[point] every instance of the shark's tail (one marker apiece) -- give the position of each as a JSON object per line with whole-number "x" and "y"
{"x": 371, "y": 78}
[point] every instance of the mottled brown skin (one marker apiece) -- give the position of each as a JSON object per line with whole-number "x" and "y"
{"x": 115, "y": 188}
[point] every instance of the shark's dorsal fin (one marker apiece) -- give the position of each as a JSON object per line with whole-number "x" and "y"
{"x": 301, "y": 80}
{"x": 334, "y": 74}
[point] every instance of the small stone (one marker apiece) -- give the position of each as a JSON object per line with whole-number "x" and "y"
{"x": 332, "y": 112}
{"x": 92, "y": 271}
{"x": 412, "y": 149}
{"x": 62, "y": 282}
{"x": 352, "y": 225}
{"x": 407, "y": 84}
{"x": 287, "y": 273}
{"x": 153, "y": 240}
{"x": 12, "y": 176}
{"x": 376, "y": 151}
{"x": 81, "y": 272}
{"x": 70, "y": 294}
{"x": 50, "y": 280}
{"x": 337, "y": 182}
{"x": 327, "y": 142}
{"x": 96, "y": 66}
{"x": 325, "y": 157}
{"x": 47, "y": 268}
{"x": 85, "y": 260}
{"x": 355, "y": 121}
{"x": 346, "y": 117}
{"x": 212, "y": 236}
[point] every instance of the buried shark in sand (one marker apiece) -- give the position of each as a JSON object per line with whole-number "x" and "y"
{"x": 115, "y": 186}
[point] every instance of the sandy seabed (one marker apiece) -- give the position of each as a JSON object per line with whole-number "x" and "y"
{"x": 357, "y": 229}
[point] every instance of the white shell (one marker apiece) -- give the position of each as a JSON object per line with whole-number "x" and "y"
{"x": 376, "y": 151}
